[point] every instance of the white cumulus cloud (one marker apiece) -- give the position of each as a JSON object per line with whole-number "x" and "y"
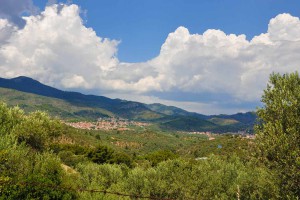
{"x": 56, "y": 48}
{"x": 218, "y": 63}
{"x": 6, "y": 30}
{"x": 13, "y": 9}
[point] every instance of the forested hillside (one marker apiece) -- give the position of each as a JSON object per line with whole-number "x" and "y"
{"x": 30, "y": 95}
{"x": 42, "y": 158}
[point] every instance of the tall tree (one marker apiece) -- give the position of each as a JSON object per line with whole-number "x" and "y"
{"x": 278, "y": 133}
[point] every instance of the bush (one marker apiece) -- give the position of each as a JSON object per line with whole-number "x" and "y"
{"x": 104, "y": 154}
{"x": 159, "y": 156}
{"x": 70, "y": 159}
{"x": 214, "y": 178}
{"x": 100, "y": 177}
{"x": 101, "y": 154}
{"x": 9, "y": 118}
{"x": 30, "y": 175}
{"x": 37, "y": 129}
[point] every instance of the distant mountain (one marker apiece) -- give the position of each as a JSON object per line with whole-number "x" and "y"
{"x": 222, "y": 123}
{"x": 246, "y": 118}
{"x": 56, "y": 107}
{"x": 189, "y": 124}
{"x": 32, "y": 95}
{"x": 121, "y": 108}
{"x": 174, "y": 111}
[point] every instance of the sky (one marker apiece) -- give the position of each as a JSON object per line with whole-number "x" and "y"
{"x": 208, "y": 56}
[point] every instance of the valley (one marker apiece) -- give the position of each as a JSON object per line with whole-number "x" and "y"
{"x": 70, "y": 145}
{"x": 31, "y": 95}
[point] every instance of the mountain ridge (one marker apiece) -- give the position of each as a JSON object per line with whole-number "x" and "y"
{"x": 169, "y": 117}
{"x": 29, "y": 85}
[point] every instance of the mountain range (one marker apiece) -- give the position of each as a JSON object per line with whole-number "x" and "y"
{"x": 31, "y": 95}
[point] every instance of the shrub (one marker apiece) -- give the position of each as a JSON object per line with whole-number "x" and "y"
{"x": 37, "y": 129}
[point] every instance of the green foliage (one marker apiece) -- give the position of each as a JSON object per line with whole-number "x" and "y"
{"x": 102, "y": 177}
{"x": 104, "y": 154}
{"x": 122, "y": 158}
{"x": 101, "y": 154}
{"x": 278, "y": 135}
{"x": 37, "y": 129}
{"x": 70, "y": 159}
{"x": 55, "y": 107}
{"x": 74, "y": 148}
{"x": 189, "y": 124}
{"x": 9, "y": 118}
{"x": 70, "y": 154}
{"x": 22, "y": 170}
{"x": 223, "y": 122}
{"x": 225, "y": 145}
{"x": 35, "y": 163}
{"x": 26, "y": 172}
{"x": 158, "y": 156}
{"x": 214, "y": 178}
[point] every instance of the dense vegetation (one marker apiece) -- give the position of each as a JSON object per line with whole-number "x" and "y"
{"x": 37, "y": 151}
{"x": 41, "y": 158}
{"x": 278, "y": 135}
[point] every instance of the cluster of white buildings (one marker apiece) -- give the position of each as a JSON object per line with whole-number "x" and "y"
{"x": 208, "y": 134}
{"x": 107, "y": 124}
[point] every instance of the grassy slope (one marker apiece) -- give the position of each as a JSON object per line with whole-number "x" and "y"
{"x": 223, "y": 122}
{"x": 179, "y": 119}
{"x": 140, "y": 142}
{"x": 189, "y": 124}
{"x": 167, "y": 117}
{"x": 55, "y": 107}
{"x": 174, "y": 111}
{"x": 121, "y": 108}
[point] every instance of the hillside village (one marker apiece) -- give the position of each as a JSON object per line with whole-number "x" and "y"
{"x": 107, "y": 124}
{"x": 121, "y": 124}
{"x": 211, "y": 135}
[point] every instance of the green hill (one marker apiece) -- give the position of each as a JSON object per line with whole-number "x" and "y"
{"x": 173, "y": 111}
{"x": 32, "y": 95}
{"x": 189, "y": 124}
{"x": 222, "y": 121}
{"x": 56, "y": 107}
{"x": 121, "y": 108}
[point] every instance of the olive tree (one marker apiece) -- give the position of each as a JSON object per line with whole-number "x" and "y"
{"x": 278, "y": 131}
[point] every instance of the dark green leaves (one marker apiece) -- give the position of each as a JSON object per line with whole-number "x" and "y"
{"x": 278, "y": 136}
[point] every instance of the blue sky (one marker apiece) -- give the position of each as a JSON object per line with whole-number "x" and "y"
{"x": 206, "y": 56}
{"x": 143, "y": 25}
